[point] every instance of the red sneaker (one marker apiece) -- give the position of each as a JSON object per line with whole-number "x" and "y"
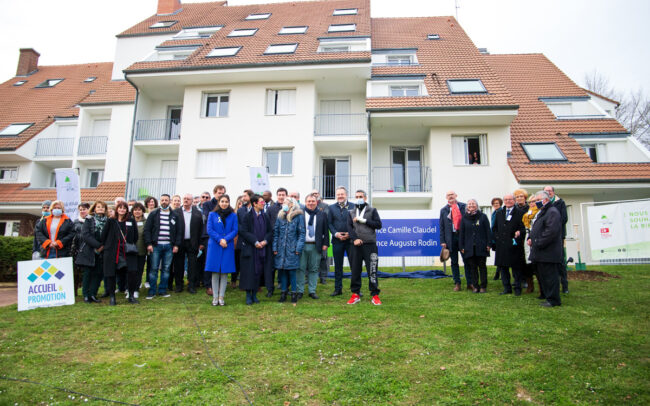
{"x": 354, "y": 299}
{"x": 376, "y": 301}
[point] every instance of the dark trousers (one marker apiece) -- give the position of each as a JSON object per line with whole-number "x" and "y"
{"x": 121, "y": 279}
{"x": 109, "y": 285}
{"x": 365, "y": 253}
{"x": 206, "y": 277}
{"x": 339, "y": 249}
{"x": 505, "y": 278}
{"x": 185, "y": 250}
{"x": 563, "y": 273}
{"x": 269, "y": 278}
{"x": 549, "y": 277}
{"x": 142, "y": 260}
{"x": 477, "y": 270}
{"x": 92, "y": 277}
{"x": 235, "y": 275}
{"x": 133, "y": 281}
{"x": 324, "y": 266}
{"x": 455, "y": 269}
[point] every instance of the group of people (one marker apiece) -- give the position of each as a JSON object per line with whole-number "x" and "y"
{"x": 207, "y": 239}
{"x": 526, "y": 233}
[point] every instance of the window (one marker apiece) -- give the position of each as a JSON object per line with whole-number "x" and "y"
{"x": 20, "y": 83}
{"x": 101, "y": 128}
{"x": 395, "y": 60}
{"x": 401, "y": 91}
{"x": 52, "y": 179}
{"x": 344, "y": 44}
{"x": 466, "y": 86}
{"x": 335, "y": 48}
{"x": 95, "y": 177}
{"x": 220, "y": 52}
{"x": 195, "y": 33}
{"x": 469, "y": 150}
{"x": 258, "y": 16}
{"x": 342, "y": 27}
{"x": 281, "y": 49}
{"x": 50, "y": 83}
{"x": 15, "y": 129}
{"x": 10, "y": 228}
{"x": 163, "y": 24}
{"x": 90, "y": 79}
{"x": 293, "y": 30}
{"x": 66, "y": 131}
{"x": 433, "y": 36}
{"x": 597, "y": 152}
{"x": 345, "y": 11}
{"x": 8, "y": 174}
{"x": 216, "y": 105}
{"x": 211, "y": 164}
{"x": 570, "y": 230}
{"x": 543, "y": 152}
{"x": 280, "y": 102}
{"x": 278, "y": 161}
{"x": 171, "y": 54}
{"x": 244, "y": 32}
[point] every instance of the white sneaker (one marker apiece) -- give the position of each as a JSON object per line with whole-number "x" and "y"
{"x": 215, "y": 302}
{"x": 222, "y": 302}
{"x": 136, "y": 294}
{"x": 126, "y": 294}
{"x": 149, "y": 297}
{"x": 146, "y": 285}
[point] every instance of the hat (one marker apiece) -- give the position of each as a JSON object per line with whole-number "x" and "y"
{"x": 47, "y": 203}
{"x": 444, "y": 255}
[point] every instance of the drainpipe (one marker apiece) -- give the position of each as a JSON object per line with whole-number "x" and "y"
{"x": 369, "y": 154}
{"x": 135, "y": 112}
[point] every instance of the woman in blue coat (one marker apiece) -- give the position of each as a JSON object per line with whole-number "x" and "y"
{"x": 288, "y": 242}
{"x": 222, "y": 230}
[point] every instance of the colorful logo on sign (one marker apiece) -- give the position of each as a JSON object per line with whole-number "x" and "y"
{"x": 45, "y": 271}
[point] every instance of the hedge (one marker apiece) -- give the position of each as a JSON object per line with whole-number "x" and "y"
{"x": 12, "y": 250}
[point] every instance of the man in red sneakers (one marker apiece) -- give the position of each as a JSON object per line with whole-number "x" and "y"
{"x": 363, "y": 224}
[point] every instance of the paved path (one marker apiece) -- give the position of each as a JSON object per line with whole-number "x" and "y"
{"x": 8, "y": 294}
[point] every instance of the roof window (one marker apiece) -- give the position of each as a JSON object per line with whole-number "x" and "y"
{"x": 220, "y": 52}
{"x": 50, "y": 83}
{"x": 342, "y": 27}
{"x": 163, "y": 24}
{"x": 460, "y": 86}
{"x": 194, "y": 33}
{"x": 15, "y": 129}
{"x": 293, "y": 30}
{"x": 20, "y": 83}
{"x": 345, "y": 11}
{"x": 171, "y": 53}
{"x": 433, "y": 36}
{"x": 90, "y": 79}
{"x": 243, "y": 32}
{"x": 281, "y": 49}
{"x": 258, "y": 16}
{"x": 548, "y": 151}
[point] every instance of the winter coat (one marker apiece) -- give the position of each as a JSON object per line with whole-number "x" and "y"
{"x": 110, "y": 237}
{"x": 446, "y": 227}
{"x": 289, "y": 239}
{"x": 152, "y": 229}
{"x": 504, "y": 230}
{"x": 474, "y": 236}
{"x": 63, "y": 236}
{"x": 337, "y": 220}
{"x": 221, "y": 259}
{"x": 248, "y": 279}
{"x": 321, "y": 232}
{"x": 546, "y": 236}
{"x": 561, "y": 208}
{"x": 89, "y": 243}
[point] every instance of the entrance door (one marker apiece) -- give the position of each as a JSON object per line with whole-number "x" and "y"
{"x": 335, "y": 117}
{"x": 335, "y": 173}
{"x": 174, "y": 124}
{"x": 406, "y": 168}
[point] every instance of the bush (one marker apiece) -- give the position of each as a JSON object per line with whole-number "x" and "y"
{"x": 12, "y": 250}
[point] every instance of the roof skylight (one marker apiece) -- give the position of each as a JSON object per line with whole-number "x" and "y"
{"x": 466, "y": 86}
{"x": 90, "y": 79}
{"x": 281, "y": 49}
{"x": 258, "y": 16}
{"x": 543, "y": 152}
{"x": 50, "y": 83}
{"x": 163, "y": 24}
{"x": 293, "y": 30}
{"x": 243, "y": 32}
{"x": 20, "y": 83}
{"x": 15, "y": 129}
{"x": 220, "y": 52}
{"x": 342, "y": 27}
{"x": 345, "y": 11}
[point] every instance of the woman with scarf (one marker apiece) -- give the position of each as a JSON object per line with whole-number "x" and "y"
{"x": 55, "y": 233}
{"x": 527, "y": 273}
{"x": 474, "y": 243}
{"x": 256, "y": 235}
{"x": 119, "y": 231}
{"x": 222, "y": 229}
{"x": 288, "y": 242}
{"x": 528, "y": 220}
{"x": 91, "y": 254}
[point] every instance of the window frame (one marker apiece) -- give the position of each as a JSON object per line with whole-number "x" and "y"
{"x": 194, "y": 32}
{"x": 10, "y": 169}
{"x": 163, "y": 24}
{"x": 20, "y": 82}
{"x": 295, "y": 48}
{"x": 46, "y": 83}
{"x": 28, "y": 125}
{"x": 258, "y": 16}
{"x": 279, "y": 150}
{"x": 528, "y": 154}
{"x": 233, "y": 34}
{"x": 403, "y": 87}
{"x": 206, "y": 96}
{"x": 306, "y": 27}
{"x": 483, "y": 149}
{"x": 237, "y": 49}
{"x": 345, "y": 12}
{"x": 276, "y": 98}
{"x": 450, "y": 81}
{"x": 100, "y": 176}
{"x": 400, "y": 56}
{"x": 332, "y": 27}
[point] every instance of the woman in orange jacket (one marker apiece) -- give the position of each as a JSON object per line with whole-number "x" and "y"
{"x": 55, "y": 233}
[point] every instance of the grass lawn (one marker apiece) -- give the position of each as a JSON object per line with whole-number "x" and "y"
{"x": 425, "y": 345}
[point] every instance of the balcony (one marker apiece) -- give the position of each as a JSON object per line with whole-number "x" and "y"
{"x": 341, "y": 125}
{"x": 92, "y": 145}
{"x": 410, "y": 184}
{"x": 158, "y": 130}
{"x": 140, "y": 188}
{"x": 54, "y": 147}
{"x": 327, "y": 185}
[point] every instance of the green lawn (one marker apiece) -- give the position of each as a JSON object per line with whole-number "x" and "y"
{"x": 425, "y": 345}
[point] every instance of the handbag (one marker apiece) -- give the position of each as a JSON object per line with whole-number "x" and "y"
{"x": 130, "y": 248}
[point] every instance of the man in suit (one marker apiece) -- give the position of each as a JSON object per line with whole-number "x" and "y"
{"x": 316, "y": 242}
{"x": 509, "y": 231}
{"x": 190, "y": 225}
{"x": 545, "y": 241}
{"x": 450, "y": 216}
{"x": 560, "y": 205}
{"x": 337, "y": 220}
{"x": 324, "y": 267}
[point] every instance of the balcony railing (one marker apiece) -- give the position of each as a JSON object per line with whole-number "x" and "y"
{"x": 92, "y": 145}
{"x": 398, "y": 178}
{"x": 154, "y": 130}
{"x": 140, "y": 188}
{"x": 327, "y": 185}
{"x": 54, "y": 147}
{"x": 340, "y": 124}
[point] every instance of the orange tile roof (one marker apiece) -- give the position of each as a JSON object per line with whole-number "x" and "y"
{"x": 529, "y": 77}
{"x": 113, "y": 92}
{"x": 317, "y": 15}
{"x": 21, "y": 193}
{"x": 28, "y": 104}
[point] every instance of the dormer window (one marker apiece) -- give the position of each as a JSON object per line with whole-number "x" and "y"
{"x": 90, "y": 79}
{"x": 461, "y": 86}
{"x": 20, "y": 83}
{"x": 543, "y": 151}
{"x": 195, "y": 33}
{"x": 404, "y": 90}
{"x": 244, "y": 32}
{"x": 574, "y": 108}
{"x": 281, "y": 49}
{"x": 221, "y": 52}
{"x": 50, "y": 83}
{"x": 171, "y": 53}
{"x": 344, "y": 45}
{"x": 397, "y": 86}
{"x": 15, "y": 129}
{"x": 293, "y": 30}
{"x": 258, "y": 16}
{"x": 163, "y": 24}
{"x": 345, "y": 11}
{"x": 342, "y": 28}
{"x": 394, "y": 57}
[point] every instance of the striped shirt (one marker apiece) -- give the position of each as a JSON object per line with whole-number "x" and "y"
{"x": 163, "y": 235}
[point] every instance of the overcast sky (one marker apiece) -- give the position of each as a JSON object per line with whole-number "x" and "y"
{"x": 579, "y": 36}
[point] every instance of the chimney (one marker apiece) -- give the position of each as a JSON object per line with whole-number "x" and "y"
{"x": 168, "y": 6}
{"x": 27, "y": 62}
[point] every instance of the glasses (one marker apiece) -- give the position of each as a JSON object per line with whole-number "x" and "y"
{"x": 205, "y": 197}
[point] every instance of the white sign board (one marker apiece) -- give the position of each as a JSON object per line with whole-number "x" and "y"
{"x": 67, "y": 190}
{"x": 45, "y": 283}
{"x": 259, "y": 179}
{"x": 619, "y": 231}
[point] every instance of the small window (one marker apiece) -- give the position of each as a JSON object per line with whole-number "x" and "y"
{"x": 335, "y": 48}
{"x": 95, "y": 177}
{"x": 8, "y": 174}
{"x": 469, "y": 150}
{"x": 293, "y": 30}
{"x": 90, "y": 79}
{"x": 52, "y": 179}
{"x": 163, "y": 24}
{"x": 195, "y": 33}
{"x": 342, "y": 28}
{"x": 216, "y": 105}
{"x": 258, "y": 16}
{"x": 210, "y": 164}
{"x": 401, "y": 91}
{"x": 466, "y": 86}
{"x": 433, "y": 36}
{"x": 50, "y": 83}
{"x": 228, "y": 51}
{"x": 280, "y": 102}
{"x": 171, "y": 54}
{"x": 398, "y": 60}
{"x": 244, "y": 32}
{"x": 345, "y": 11}
{"x": 15, "y": 129}
{"x": 20, "y": 83}
{"x": 543, "y": 152}
{"x": 281, "y": 49}
{"x": 279, "y": 161}
{"x": 597, "y": 152}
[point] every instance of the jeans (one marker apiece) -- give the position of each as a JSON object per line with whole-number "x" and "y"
{"x": 288, "y": 274}
{"x": 338, "y": 250}
{"x": 309, "y": 263}
{"x": 161, "y": 253}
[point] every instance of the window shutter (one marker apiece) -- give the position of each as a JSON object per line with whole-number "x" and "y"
{"x": 270, "y": 102}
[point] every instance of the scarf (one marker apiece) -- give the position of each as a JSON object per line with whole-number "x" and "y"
{"x": 455, "y": 216}
{"x": 529, "y": 216}
{"x": 100, "y": 223}
{"x": 224, "y": 213}
{"x": 310, "y": 224}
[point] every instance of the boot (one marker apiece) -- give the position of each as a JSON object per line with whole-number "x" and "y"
{"x": 133, "y": 300}
{"x": 283, "y": 297}
{"x": 255, "y": 299}
{"x": 294, "y": 298}
{"x": 269, "y": 293}
{"x": 531, "y": 285}
{"x": 249, "y": 298}
{"x": 113, "y": 302}
{"x": 457, "y": 287}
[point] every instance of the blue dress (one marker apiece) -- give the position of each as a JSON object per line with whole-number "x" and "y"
{"x": 221, "y": 259}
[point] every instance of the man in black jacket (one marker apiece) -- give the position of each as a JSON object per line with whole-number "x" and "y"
{"x": 509, "y": 232}
{"x": 545, "y": 241}
{"x": 316, "y": 241}
{"x": 190, "y": 226}
{"x": 450, "y": 217}
{"x": 560, "y": 205}
{"x": 337, "y": 220}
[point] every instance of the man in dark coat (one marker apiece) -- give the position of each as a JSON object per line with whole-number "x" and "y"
{"x": 316, "y": 242}
{"x": 450, "y": 217}
{"x": 255, "y": 237}
{"x": 324, "y": 267}
{"x": 545, "y": 241}
{"x": 508, "y": 232}
{"x": 560, "y": 205}
{"x": 190, "y": 226}
{"x": 337, "y": 219}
